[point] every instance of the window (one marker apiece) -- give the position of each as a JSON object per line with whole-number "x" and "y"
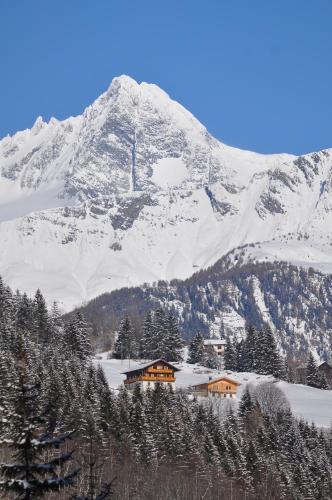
{"x": 224, "y": 395}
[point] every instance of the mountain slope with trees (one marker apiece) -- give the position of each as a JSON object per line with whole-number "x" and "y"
{"x": 295, "y": 303}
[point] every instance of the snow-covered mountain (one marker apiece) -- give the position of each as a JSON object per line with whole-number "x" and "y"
{"x": 135, "y": 190}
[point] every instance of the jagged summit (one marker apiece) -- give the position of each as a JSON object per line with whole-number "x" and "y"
{"x": 136, "y": 189}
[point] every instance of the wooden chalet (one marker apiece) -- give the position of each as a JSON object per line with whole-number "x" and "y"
{"x": 223, "y": 387}
{"x": 147, "y": 376}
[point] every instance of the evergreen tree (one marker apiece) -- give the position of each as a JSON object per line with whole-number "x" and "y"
{"x": 173, "y": 345}
{"x": 25, "y": 320}
{"x": 41, "y": 318}
{"x": 249, "y": 350}
{"x": 25, "y": 434}
{"x": 147, "y": 347}
{"x": 125, "y": 345}
{"x": 246, "y": 404}
{"x": 196, "y": 350}
{"x": 76, "y": 337}
{"x": 230, "y": 356}
{"x": 268, "y": 359}
{"x": 159, "y": 332}
{"x": 313, "y": 377}
{"x": 239, "y": 351}
{"x": 210, "y": 359}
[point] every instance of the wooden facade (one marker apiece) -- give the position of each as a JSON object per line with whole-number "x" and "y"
{"x": 223, "y": 387}
{"x": 158, "y": 371}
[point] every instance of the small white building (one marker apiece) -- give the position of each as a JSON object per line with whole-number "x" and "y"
{"x": 147, "y": 376}
{"x": 217, "y": 344}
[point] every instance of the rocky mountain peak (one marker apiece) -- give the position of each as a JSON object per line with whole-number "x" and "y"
{"x": 135, "y": 189}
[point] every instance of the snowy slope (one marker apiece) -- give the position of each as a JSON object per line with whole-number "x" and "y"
{"x": 314, "y": 405}
{"x": 135, "y": 189}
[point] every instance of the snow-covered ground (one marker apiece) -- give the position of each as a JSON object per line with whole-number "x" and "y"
{"x": 314, "y": 405}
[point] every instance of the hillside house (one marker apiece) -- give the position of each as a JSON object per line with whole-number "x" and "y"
{"x": 217, "y": 344}
{"x": 147, "y": 376}
{"x": 221, "y": 387}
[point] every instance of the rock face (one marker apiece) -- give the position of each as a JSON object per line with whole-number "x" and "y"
{"x": 135, "y": 190}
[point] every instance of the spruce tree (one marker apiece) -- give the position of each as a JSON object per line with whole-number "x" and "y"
{"x": 147, "y": 347}
{"x": 25, "y": 434}
{"x": 173, "y": 344}
{"x": 250, "y": 350}
{"x": 210, "y": 359}
{"x": 41, "y": 318}
{"x": 268, "y": 359}
{"x": 125, "y": 345}
{"x": 230, "y": 356}
{"x": 246, "y": 404}
{"x": 76, "y": 337}
{"x": 313, "y": 377}
{"x": 159, "y": 332}
{"x": 196, "y": 350}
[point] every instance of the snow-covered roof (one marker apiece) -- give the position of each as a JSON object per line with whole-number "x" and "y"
{"x": 142, "y": 367}
{"x": 214, "y": 342}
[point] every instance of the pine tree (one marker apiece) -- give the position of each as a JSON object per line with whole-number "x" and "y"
{"x": 25, "y": 319}
{"x": 246, "y": 404}
{"x": 313, "y": 377}
{"x": 41, "y": 318}
{"x": 268, "y": 359}
{"x": 76, "y": 337}
{"x": 159, "y": 332}
{"x": 250, "y": 350}
{"x": 125, "y": 345}
{"x": 7, "y": 317}
{"x": 26, "y": 435}
{"x": 147, "y": 347}
{"x": 239, "y": 350}
{"x": 230, "y": 356}
{"x": 196, "y": 350}
{"x": 173, "y": 344}
{"x": 210, "y": 359}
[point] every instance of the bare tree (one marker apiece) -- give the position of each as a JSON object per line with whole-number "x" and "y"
{"x": 270, "y": 399}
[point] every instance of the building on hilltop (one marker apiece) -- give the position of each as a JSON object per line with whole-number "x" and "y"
{"x": 217, "y": 344}
{"x": 147, "y": 376}
{"x": 222, "y": 387}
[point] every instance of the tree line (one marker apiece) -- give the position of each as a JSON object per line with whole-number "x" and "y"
{"x": 159, "y": 337}
{"x": 65, "y": 434}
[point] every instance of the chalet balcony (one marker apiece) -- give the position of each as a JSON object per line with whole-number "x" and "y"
{"x": 149, "y": 378}
{"x": 161, "y": 370}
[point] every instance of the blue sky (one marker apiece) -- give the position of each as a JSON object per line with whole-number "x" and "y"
{"x": 257, "y": 73}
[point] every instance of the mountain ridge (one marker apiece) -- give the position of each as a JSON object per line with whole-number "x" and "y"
{"x": 135, "y": 189}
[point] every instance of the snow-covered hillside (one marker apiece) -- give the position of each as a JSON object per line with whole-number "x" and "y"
{"x": 313, "y": 405}
{"x": 135, "y": 189}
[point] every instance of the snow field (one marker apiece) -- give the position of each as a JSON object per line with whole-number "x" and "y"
{"x": 313, "y": 405}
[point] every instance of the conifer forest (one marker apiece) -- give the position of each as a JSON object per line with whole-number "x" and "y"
{"x": 66, "y": 434}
